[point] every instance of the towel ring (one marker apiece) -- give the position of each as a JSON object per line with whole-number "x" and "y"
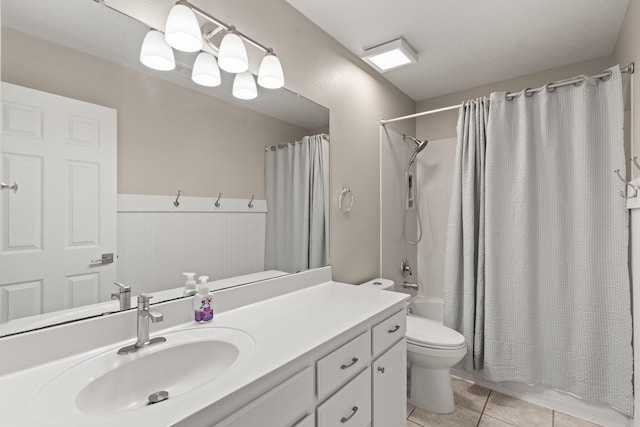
{"x": 343, "y": 193}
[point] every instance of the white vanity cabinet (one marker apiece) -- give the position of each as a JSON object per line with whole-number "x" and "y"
{"x": 282, "y": 406}
{"x": 377, "y": 395}
{"x": 389, "y": 384}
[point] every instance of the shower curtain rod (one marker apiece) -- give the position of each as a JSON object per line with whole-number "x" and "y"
{"x": 629, "y": 69}
{"x": 283, "y": 145}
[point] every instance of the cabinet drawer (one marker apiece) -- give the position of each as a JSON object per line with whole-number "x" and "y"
{"x": 280, "y": 407}
{"x": 388, "y": 332}
{"x": 350, "y": 406}
{"x": 338, "y": 367}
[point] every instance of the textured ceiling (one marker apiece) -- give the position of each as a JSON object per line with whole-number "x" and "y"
{"x": 463, "y": 44}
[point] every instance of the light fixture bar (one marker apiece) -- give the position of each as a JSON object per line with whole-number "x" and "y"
{"x": 224, "y": 25}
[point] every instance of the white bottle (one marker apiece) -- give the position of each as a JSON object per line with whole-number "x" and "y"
{"x": 189, "y": 285}
{"x": 202, "y": 309}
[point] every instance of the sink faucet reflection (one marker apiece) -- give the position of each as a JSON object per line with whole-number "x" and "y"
{"x": 144, "y": 315}
{"x": 123, "y": 295}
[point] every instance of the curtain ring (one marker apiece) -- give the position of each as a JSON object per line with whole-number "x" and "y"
{"x": 549, "y": 88}
{"x": 343, "y": 193}
{"x": 529, "y": 92}
{"x": 608, "y": 76}
{"x": 581, "y": 82}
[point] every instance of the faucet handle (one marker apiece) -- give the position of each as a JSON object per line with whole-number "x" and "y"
{"x": 144, "y": 298}
{"x": 122, "y": 288}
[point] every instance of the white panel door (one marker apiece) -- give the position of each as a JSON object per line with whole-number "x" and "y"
{"x": 62, "y": 153}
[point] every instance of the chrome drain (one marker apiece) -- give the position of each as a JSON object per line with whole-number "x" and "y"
{"x": 158, "y": 396}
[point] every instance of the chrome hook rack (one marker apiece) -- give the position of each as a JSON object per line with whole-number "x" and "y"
{"x": 176, "y": 203}
{"x": 217, "y": 203}
{"x": 251, "y": 201}
{"x": 627, "y": 184}
{"x": 13, "y": 186}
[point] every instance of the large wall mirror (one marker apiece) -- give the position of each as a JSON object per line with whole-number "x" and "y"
{"x": 198, "y": 181}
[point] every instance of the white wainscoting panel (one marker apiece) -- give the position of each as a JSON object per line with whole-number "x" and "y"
{"x": 155, "y": 247}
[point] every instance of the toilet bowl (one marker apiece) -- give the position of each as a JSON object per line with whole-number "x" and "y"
{"x": 431, "y": 350}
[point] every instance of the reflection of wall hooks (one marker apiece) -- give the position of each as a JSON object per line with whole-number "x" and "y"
{"x": 346, "y": 191}
{"x": 13, "y": 186}
{"x": 627, "y": 184}
{"x": 634, "y": 160}
{"x": 176, "y": 203}
{"x": 218, "y": 201}
{"x": 251, "y": 201}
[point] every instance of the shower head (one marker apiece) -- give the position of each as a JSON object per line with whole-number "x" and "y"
{"x": 420, "y": 145}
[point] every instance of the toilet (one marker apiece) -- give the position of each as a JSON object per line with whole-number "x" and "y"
{"x": 431, "y": 350}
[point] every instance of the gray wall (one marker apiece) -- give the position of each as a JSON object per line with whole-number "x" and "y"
{"x": 628, "y": 50}
{"x": 169, "y": 137}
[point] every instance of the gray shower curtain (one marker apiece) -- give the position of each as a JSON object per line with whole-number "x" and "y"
{"x": 553, "y": 306}
{"x": 464, "y": 257}
{"x": 297, "y": 185}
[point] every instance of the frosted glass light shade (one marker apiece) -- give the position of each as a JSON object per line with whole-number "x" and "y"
{"x": 270, "y": 75}
{"x": 156, "y": 53}
{"x": 233, "y": 55}
{"x": 182, "y": 30}
{"x": 244, "y": 86}
{"x": 205, "y": 70}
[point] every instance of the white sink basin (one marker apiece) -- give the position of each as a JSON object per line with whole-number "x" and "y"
{"x": 111, "y": 383}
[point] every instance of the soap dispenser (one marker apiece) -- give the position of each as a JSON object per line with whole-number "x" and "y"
{"x": 189, "y": 285}
{"x": 203, "y": 312}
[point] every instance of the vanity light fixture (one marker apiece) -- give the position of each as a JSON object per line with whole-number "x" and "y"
{"x": 389, "y": 55}
{"x": 233, "y": 55}
{"x": 206, "y": 71}
{"x": 244, "y": 86}
{"x": 184, "y": 33}
{"x": 182, "y": 30}
{"x": 156, "y": 53}
{"x": 270, "y": 75}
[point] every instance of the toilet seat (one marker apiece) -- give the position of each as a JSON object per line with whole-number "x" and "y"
{"x": 427, "y": 333}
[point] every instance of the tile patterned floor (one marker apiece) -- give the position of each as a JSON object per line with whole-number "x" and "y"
{"x": 480, "y": 407}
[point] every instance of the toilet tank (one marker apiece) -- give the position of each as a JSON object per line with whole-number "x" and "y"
{"x": 431, "y": 308}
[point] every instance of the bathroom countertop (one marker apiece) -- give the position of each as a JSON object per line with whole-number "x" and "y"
{"x": 284, "y": 329}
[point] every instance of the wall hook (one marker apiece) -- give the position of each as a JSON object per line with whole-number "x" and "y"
{"x": 251, "y": 201}
{"x": 176, "y": 203}
{"x": 13, "y": 186}
{"x": 218, "y": 201}
{"x": 634, "y": 160}
{"x": 627, "y": 184}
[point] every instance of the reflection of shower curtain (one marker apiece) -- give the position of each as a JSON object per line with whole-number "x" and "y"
{"x": 557, "y": 309}
{"x": 298, "y": 205}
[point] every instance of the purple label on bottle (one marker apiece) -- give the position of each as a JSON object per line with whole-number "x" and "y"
{"x": 205, "y": 312}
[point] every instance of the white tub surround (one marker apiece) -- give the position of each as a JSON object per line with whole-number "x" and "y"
{"x": 291, "y": 331}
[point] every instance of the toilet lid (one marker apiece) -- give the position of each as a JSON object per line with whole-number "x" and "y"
{"x": 427, "y": 332}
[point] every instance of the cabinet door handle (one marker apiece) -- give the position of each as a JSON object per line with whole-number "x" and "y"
{"x": 394, "y": 329}
{"x": 353, "y": 412}
{"x": 353, "y": 362}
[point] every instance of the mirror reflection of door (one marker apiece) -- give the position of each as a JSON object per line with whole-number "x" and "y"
{"x": 56, "y": 227}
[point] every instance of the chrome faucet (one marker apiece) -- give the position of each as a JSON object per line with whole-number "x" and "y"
{"x": 123, "y": 295}
{"x": 408, "y": 285}
{"x": 144, "y": 315}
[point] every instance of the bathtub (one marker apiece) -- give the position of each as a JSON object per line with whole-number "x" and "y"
{"x": 429, "y": 307}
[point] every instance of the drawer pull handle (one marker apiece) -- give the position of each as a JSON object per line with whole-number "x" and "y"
{"x": 394, "y": 329}
{"x": 353, "y": 362}
{"x": 353, "y": 412}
